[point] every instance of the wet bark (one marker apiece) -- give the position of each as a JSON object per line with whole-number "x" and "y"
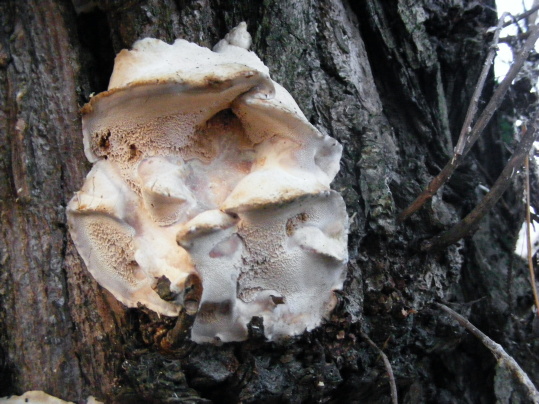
{"x": 391, "y": 81}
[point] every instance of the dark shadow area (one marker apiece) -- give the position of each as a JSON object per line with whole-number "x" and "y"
{"x": 96, "y": 48}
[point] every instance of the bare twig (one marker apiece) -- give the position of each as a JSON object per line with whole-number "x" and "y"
{"x": 532, "y": 18}
{"x": 503, "y": 358}
{"x": 389, "y": 370}
{"x": 509, "y": 39}
{"x": 529, "y": 237}
{"x": 519, "y": 17}
{"x": 477, "y": 129}
{"x": 470, "y": 223}
{"x": 472, "y": 108}
{"x": 490, "y": 182}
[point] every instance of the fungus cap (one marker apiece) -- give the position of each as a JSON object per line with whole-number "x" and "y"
{"x": 206, "y": 168}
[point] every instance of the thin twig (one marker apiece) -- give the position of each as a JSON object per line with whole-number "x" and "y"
{"x": 519, "y": 17}
{"x": 509, "y": 39}
{"x": 503, "y": 358}
{"x": 490, "y": 182}
{"x": 472, "y": 108}
{"x": 478, "y": 128}
{"x": 532, "y": 18}
{"x": 528, "y": 235}
{"x": 389, "y": 370}
{"x": 470, "y": 223}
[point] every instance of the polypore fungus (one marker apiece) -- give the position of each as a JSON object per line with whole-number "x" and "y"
{"x": 207, "y": 172}
{"x": 40, "y": 397}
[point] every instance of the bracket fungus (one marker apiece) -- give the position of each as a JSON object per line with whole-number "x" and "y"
{"x": 207, "y": 173}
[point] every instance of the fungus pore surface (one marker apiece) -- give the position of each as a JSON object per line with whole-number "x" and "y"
{"x": 207, "y": 173}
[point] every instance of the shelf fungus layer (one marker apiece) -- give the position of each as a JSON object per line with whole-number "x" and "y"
{"x": 210, "y": 190}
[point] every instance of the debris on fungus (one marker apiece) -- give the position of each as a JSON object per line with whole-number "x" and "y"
{"x": 206, "y": 170}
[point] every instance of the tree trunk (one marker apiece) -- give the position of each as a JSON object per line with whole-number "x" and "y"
{"x": 391, "y": 81}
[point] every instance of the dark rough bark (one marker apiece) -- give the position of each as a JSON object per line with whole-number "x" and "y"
{"x": 390, "y": 80}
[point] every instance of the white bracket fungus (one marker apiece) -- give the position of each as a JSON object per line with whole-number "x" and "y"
{"x": 205, "y": 168}
{"x": 40, "y": 397}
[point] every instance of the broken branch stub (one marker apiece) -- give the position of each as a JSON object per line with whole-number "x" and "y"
{"x": 210, "y": 190}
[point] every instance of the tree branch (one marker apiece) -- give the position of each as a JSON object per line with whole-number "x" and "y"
{"x": 521, "y": 16}
{"x": 503, "y": 358}
{"x": 477, "y": 129}
{"x": 472, "y": 108}
{"x": 470, "y": 223}
{"x": 387, "y": 364}
{"x": 509, "y": 39}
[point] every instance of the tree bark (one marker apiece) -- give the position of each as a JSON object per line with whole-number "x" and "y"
{"x": 391, "y": 81}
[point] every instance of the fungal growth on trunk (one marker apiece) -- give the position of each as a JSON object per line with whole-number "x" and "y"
{"x": 210, "y": 190}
